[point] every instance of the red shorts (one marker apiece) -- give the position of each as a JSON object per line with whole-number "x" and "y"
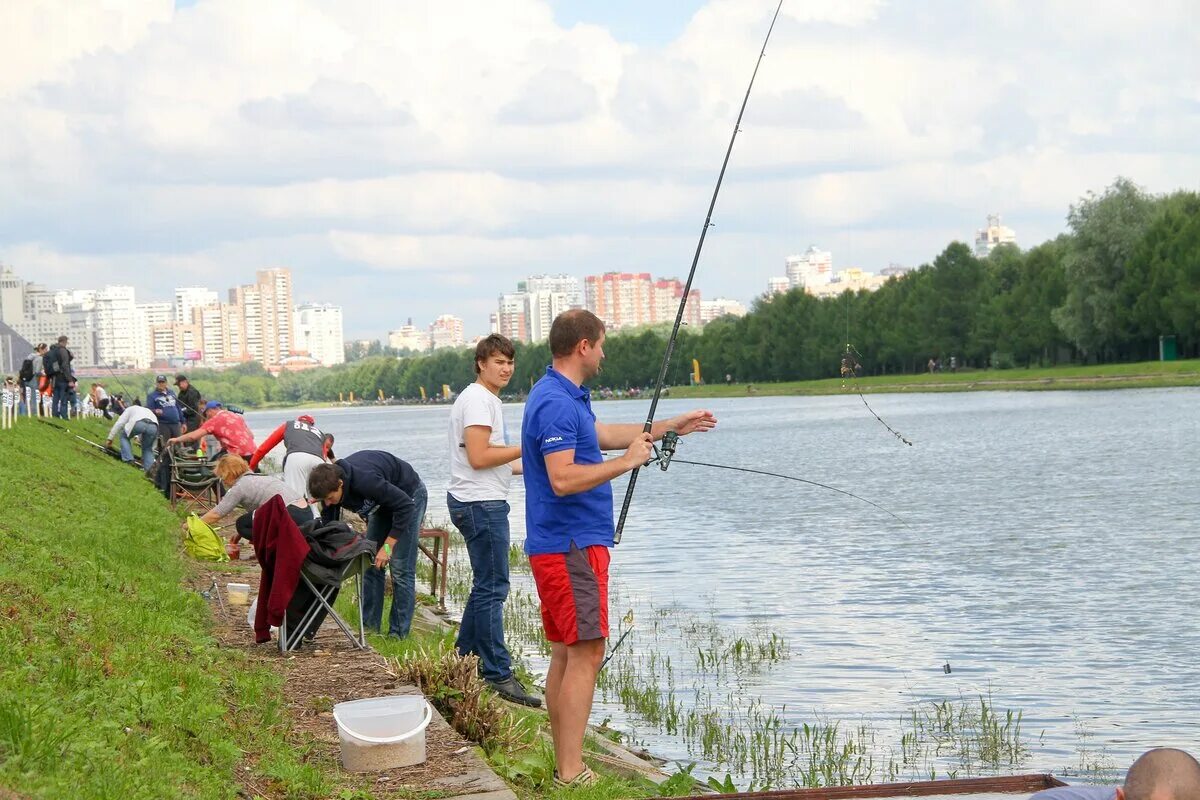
{"x": 573, "y": 588}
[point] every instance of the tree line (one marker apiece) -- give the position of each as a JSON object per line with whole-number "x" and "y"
{"x": 1126, "y": 272}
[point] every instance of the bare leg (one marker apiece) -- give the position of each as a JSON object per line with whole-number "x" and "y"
{"x": 569, "y": 697}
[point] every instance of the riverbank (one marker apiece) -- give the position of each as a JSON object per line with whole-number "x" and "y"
{"x": 1141, "y": 375}
{"x": 124, "y": 674}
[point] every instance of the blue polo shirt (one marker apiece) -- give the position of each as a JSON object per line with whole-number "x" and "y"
{"x": 558, "y": 416}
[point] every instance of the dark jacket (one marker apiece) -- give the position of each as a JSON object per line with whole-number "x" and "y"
{"x": 332, "y": 544}
{"x": 57, "y": 364}
{"x": 374, "y": 481}
{"x": 166, "y": 402}
{"x": 189, "y": 404}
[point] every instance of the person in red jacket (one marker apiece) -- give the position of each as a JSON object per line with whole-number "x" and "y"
{"x": 305, "y": 447}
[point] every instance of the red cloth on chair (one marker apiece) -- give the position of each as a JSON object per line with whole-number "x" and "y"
{"x": 281, "y": 550}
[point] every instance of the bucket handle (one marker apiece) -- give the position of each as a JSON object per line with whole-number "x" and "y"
{"x": 388, "y": 739}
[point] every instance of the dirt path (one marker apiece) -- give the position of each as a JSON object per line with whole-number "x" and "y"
{"x": 332, "y": 670}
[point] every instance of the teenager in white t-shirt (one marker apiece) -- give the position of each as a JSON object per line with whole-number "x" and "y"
{"x": 482, "y": 464}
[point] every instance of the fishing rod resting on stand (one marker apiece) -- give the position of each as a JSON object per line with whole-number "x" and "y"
{"x": 666, "y": 361}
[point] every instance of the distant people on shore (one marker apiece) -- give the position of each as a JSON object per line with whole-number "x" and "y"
{"x": 190, "y": 403}
{"x": 30, "y": 378}
{"x": 139, "y": 422}
{"x": 304, "y": 448}
{"x": 165, "y": 405}
{"x": 60, "y": 374}
{"x": 1163, "y": 773}
{"x": 229, "y": 429}
{"x": 100, "y": 399}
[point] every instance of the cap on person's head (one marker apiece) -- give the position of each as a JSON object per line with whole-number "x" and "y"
{"x": 161, "y": 379}
{"x": 180, "y": 379}
{"x": 306, "y": 419}
{"x": 211, "y": 404}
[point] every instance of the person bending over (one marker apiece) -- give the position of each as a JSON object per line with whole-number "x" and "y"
{"x": 390, "y": 496}
{"x": 247, "y": 490}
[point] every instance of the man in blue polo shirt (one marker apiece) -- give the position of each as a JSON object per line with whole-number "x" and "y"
{"x": 569, "y": 521}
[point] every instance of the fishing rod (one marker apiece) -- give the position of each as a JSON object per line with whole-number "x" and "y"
{"x": 666, "y": 360}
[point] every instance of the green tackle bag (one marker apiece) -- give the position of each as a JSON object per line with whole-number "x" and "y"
{"x": 202, "y": 542}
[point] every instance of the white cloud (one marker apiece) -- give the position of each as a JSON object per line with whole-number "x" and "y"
{"x": 428, "y": 157}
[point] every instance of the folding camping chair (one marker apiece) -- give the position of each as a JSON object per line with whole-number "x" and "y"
{"x": 313, "y": 601}
{"x": 192, "y": 481}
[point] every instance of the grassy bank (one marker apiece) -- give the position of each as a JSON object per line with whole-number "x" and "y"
{"x": 111, "y": 685}
{"x": 1142, "y": 375}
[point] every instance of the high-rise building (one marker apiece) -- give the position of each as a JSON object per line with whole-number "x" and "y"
{"x": 115, "y": 326}
{"x": 630, "y": 299}
{"x": 409, "y": 337}
{"x": 813, "y": 268}
{"x": 511, "y": 318}
{"x": 190, "y": 297}
{"x": 319, "y": 332}
{"x": 778, "y": 285}
{"x": 266, "y": 308}
{"x": 446, "y": 331}
{"x": 720, "y": 307}
{"x": 12, "y": 297}
{"x": 149, "y": 316}
{"x": 989, "y": 238}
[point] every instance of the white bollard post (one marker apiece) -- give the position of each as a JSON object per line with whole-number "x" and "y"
{"x": 6, "y": 406}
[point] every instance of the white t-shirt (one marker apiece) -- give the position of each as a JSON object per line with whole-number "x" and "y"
{"x": 475, "y": 405}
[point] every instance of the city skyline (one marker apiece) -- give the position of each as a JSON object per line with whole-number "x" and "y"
{"x": 408, "y": 158}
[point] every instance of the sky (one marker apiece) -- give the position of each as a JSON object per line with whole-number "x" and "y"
{"x": 411, "y": 159}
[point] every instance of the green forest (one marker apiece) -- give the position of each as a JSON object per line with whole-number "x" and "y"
{"x": 1126, "y": 272}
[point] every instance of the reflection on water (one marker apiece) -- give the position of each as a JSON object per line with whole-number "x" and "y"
{"x": 1049, "y": 558}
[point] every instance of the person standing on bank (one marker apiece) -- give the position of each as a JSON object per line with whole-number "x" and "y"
{"x": 60, "y": 373}
{"x": 390, "y": 496}
{"x": 569, "y": 521}
{"x": 190, "y": 403}
{"x": 482, "y": 464}
{"x": 165, "y": 405}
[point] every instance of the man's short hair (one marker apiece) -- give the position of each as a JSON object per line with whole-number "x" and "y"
{"x": 1163, "y": 772}
{"x": 323, "y": 479}
{"x": 572, "y": 327}
{"x": 62, "y": 340}
{"x": 495, "y": 343}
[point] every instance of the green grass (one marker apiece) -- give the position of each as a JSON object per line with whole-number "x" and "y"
{"x": 1142, "y": 375}
{"x": 111, "y": 684}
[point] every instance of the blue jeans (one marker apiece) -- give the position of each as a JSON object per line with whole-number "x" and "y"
{"x": 403, "y": 565}
{"x": 484, "y": 526}
{"x": 62, "y": 394}
{"x": 147, "y": 432}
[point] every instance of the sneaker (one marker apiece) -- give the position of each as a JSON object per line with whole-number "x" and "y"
{"x": 585, "y": 778}
{"x": 511, "y": 689}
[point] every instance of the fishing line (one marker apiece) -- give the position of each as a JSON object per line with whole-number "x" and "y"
{"x": 792, "y": 478}
{"x": 687, "y": 288}
{"x": 851, "y": 361}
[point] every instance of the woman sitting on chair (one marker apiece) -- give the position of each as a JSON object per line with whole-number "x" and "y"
{"x": 250, "y": 490}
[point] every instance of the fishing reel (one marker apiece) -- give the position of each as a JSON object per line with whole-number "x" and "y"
{"x": 666, "y": 452}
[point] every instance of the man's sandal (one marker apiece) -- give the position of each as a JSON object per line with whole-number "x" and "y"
{"x": 585, "y": 778}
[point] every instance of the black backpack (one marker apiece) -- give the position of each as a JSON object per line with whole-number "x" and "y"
{"x": 26, "y": 373}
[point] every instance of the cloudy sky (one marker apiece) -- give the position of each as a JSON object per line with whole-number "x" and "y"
{"x": 408, "y": 159}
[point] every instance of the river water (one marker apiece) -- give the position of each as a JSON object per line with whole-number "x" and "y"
{"x": 1049, "y": 555}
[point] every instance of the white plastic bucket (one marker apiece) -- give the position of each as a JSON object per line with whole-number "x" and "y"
{"x": 382, "y": 732}
{"x": 239, "y": 593}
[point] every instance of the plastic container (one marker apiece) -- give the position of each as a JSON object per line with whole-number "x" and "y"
{"x": 239, "y": 593}
{"x": 233, "y": 550}
{"x": 382, "y": 732}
